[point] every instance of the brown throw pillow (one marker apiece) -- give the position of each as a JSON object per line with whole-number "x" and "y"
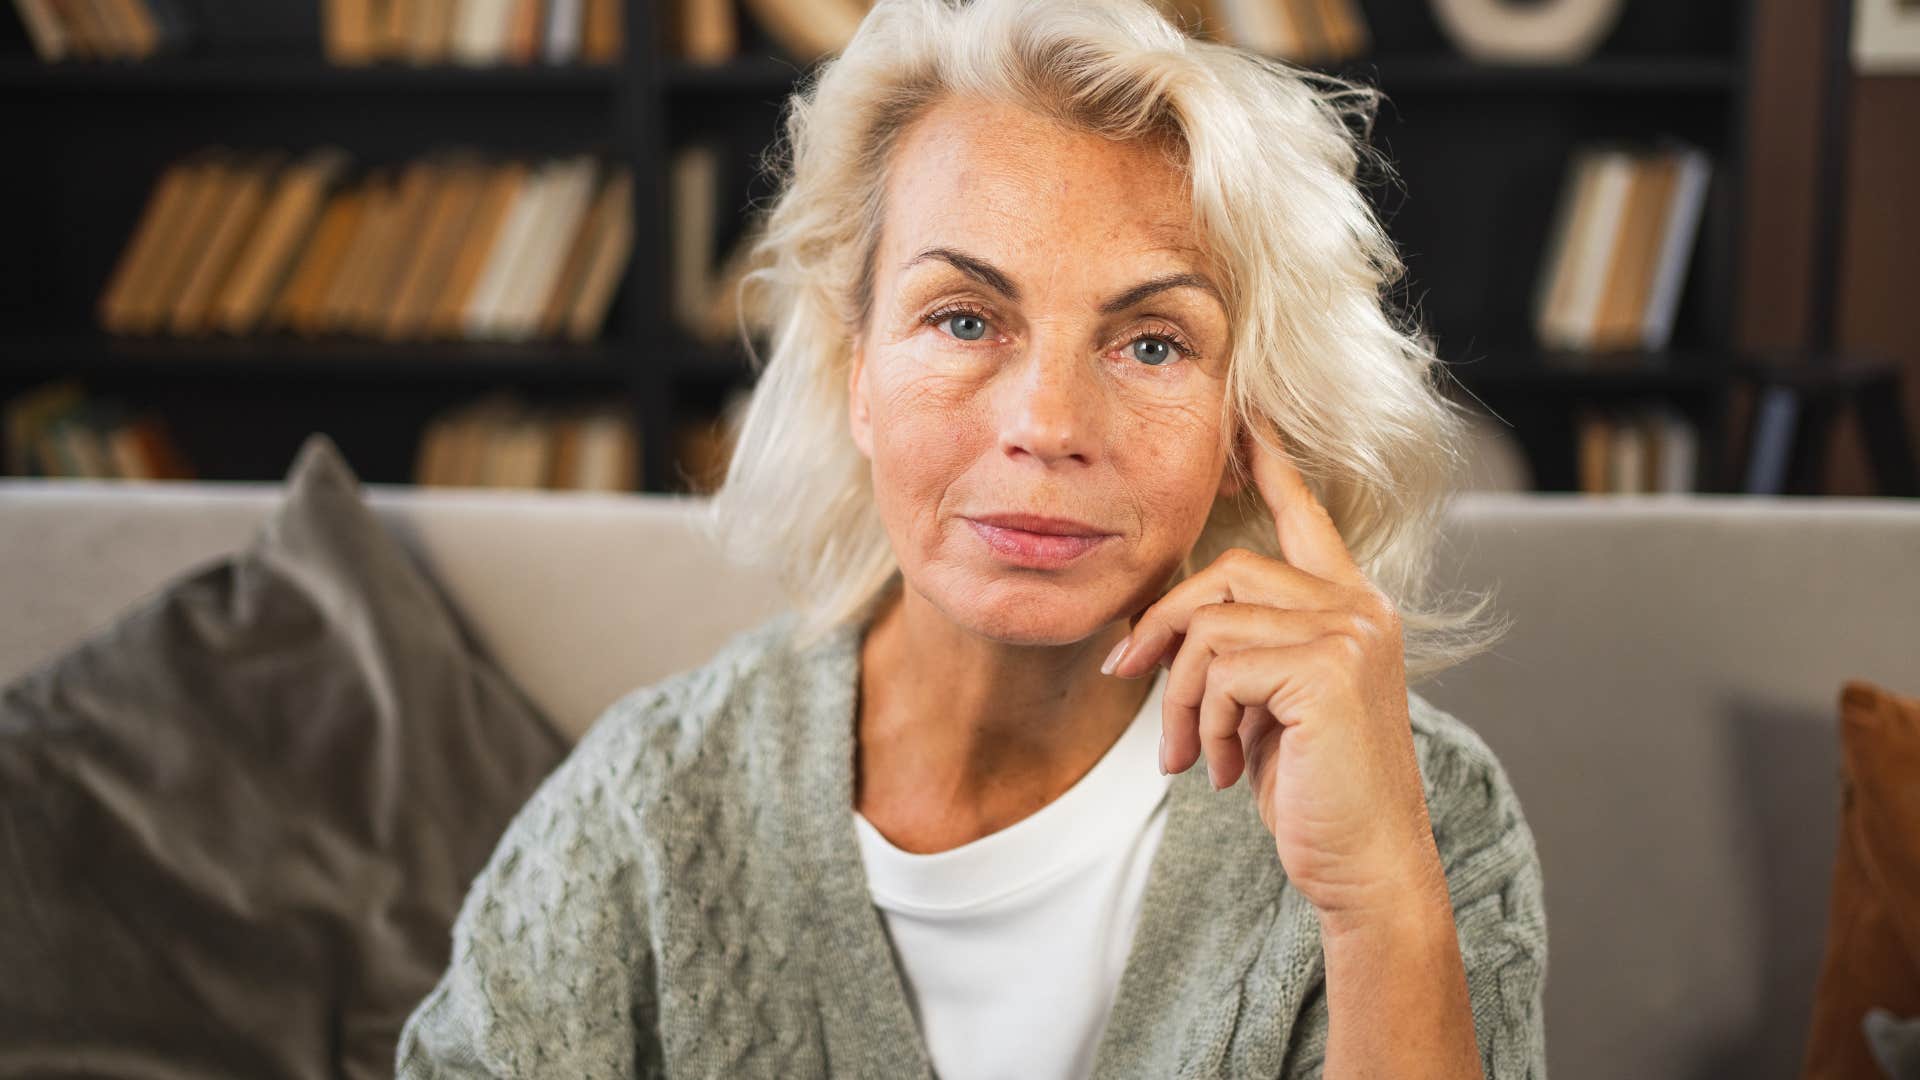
{"x": 1873, "y": 916}
{"x": 237, "y": 823}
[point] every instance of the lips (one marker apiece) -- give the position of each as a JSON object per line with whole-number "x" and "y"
{"x": 1037, "y": 542}
{"x": 1035, "y": 523}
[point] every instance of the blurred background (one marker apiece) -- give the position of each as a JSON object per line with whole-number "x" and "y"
{"x": 491, "y": 242}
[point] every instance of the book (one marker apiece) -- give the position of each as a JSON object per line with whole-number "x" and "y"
{"x": 1679, "y": 234}
{"x": 1775, "y": 422}
{"x": 1622, "y": 236}
{"x": 603, "y": 31}
{"x": 580, "y": 312}
{"x": 44, "y": 28}
{"x": 807, "y": 30}
{"x": 560, "y": 38}
{"x": 125, "y": 297}
{"x": 703, "y": 31}
{"x": 692, "y": 190}
{"x": 300, "y": 304}
{"x": 1619, "y": 314}
{"x": 479, "y": 35}
{"x": 27, "y": 413}
{"x": 347, "y": 31}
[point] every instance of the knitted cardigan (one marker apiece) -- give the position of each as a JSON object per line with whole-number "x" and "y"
{"x": 685, "y": 897}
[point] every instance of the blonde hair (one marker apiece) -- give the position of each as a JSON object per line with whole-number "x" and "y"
{"x": 1266, "y": 146}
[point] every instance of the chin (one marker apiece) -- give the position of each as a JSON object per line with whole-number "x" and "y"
{"x": 1027, "y": 609}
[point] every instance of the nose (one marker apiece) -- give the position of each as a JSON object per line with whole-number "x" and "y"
{"x": 1051, "y": 406}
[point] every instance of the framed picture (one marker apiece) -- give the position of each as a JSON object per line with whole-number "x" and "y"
{"x": 1886, "y": 37}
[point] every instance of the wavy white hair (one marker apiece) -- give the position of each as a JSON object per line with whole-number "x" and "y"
{"x": 1271, "y": 152}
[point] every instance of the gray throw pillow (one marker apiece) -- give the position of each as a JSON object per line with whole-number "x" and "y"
{"x": 237, "y": 823}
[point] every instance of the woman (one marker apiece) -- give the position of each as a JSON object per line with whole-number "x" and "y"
{"x": 1091, "y": 453}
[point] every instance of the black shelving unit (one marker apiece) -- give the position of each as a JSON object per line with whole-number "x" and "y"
{"x": 1480, "y": 153}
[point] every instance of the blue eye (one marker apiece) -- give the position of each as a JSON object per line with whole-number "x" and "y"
{"x": 967, "y": 327}
{"x": 1160, "y": 352}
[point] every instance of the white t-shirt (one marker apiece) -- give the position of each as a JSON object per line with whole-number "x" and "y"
{"x": 1012, "y": 945}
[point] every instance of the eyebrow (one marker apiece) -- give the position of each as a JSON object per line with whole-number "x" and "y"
{"x": 997, "y": 280}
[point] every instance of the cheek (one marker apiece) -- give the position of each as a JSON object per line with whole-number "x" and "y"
{"x": 1172, "y": 454}
{"x": 922, "y": 438}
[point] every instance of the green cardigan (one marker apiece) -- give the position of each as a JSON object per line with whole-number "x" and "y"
{"x": 684, "y": 897}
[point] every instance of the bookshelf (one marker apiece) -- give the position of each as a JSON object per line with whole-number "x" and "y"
{"x": 1480, "y": 151}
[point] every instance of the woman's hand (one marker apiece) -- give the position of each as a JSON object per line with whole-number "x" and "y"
{"x": 1296, "y": 669}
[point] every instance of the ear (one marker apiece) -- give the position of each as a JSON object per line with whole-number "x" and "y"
{"x": 859, "y": 419}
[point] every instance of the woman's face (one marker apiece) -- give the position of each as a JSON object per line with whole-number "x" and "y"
{"x": 1043, "y": 340}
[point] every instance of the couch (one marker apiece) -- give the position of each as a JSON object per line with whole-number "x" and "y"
{"x": 1665, "y": 705}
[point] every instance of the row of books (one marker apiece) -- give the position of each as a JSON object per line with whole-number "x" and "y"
{"x": 708, "y": 31}
{"x": 499, "y": 440}
{"x": 448, "y": 246}
{"x": 467, "y": 32}
{"x": 56, "y": 430}
{"x": 1622, "y": 238}
{"x": 1646, "y": 449}
{"x": 476, "y": 33}
{"x": 1307, "y": 31}
{"x": 1303, "y": 31}
{"x": 102, "y": 29}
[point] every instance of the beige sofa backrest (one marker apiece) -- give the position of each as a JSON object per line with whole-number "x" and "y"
{"x": 1665, "y": 704}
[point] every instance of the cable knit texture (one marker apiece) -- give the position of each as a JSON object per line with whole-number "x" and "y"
{"x": 684, "y": 897}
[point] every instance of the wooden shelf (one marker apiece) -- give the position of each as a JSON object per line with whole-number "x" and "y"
{"x": 269, "y": 359}
{"x": 1653, "y": 74}
{"x": 299, "y": 74}
{"x": 1409, "y": 72}
{"x": 1529, "y": 370}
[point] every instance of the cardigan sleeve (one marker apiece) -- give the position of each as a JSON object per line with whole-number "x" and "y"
{"x": 551, "y": 970}
{"x": 1494, "y": 885}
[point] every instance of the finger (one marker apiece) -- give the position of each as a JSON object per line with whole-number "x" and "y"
{"x": 1250, "y": 721}
{"x": 1216, "y": 630}
{"x": 1220, "y": 717}
{"x": 1238, "y": 576}
{"x": 1259, "y": 733}
{"x": 1308, "y": 537}
{"x": 1273, "y": 677}
{"x": 1233, "y": 685}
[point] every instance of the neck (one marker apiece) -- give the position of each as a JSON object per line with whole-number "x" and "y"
{"x": 960, "y": 735}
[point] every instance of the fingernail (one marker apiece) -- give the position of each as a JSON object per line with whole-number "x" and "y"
{"x": 1106, "y": 668}
{"x": 1213, "y": 776}
{"x": 1163, "y": 753}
